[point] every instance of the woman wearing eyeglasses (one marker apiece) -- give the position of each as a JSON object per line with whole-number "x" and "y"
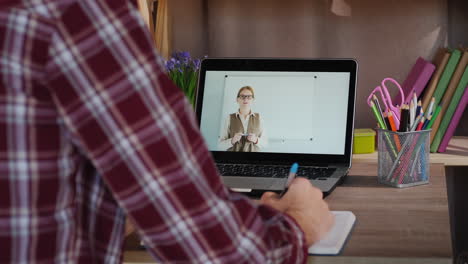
{"x": 243, "y": 130}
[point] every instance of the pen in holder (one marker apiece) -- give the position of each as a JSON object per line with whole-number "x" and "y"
{"x": 410, "y": 165}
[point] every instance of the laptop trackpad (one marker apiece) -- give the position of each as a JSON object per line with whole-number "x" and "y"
{"x": 255, "y": 183}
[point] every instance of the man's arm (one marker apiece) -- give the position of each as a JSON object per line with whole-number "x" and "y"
{"x": 140, "y": 133}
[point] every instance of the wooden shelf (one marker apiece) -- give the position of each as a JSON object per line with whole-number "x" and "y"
{"x": 456, "y": 155}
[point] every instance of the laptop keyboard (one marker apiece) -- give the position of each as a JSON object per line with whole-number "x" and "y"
{"x": 272, "y": 171}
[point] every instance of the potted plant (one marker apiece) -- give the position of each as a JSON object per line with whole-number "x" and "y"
{"x": 183, "y": 71}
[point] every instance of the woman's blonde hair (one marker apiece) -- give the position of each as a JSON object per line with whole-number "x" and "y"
{"x": 246, "y": 88}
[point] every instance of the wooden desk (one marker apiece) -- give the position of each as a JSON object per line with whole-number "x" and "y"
{"x": 392, "y": 222}
{"x": 410, "y": 224}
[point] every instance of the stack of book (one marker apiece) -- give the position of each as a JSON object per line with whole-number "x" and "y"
{"x": 441, "y": 85}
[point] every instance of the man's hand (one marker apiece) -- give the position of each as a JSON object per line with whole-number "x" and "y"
{"x": 236, "y": 138}
{"x": 305, "y": 204}
{"x": 252, "y": 138}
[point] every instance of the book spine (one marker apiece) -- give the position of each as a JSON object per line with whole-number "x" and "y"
{"x": 454, "y": 122}
{"x": 447, "y": 116}
{"x": 429, "y": 91}
{"x": 442, "y": 86}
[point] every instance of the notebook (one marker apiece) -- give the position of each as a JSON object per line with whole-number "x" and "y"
{"x": 442, "y": 87}
{"x": 454, "y": 122}
{"x": 334, "y": 242}
{"x": 416, "y": 80}
{"x": 441, "y": 60}
{"x": 259, "y": 116}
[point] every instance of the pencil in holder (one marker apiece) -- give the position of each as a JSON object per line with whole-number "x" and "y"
{"x": 403, "y": 157}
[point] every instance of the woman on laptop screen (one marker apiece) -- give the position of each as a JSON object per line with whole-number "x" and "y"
{"x": 243, "y": 130}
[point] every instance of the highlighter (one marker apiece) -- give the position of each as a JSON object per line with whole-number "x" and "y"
{"x": 291, "y": 176}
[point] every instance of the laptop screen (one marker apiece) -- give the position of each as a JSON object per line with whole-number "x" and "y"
{"x": 276, "y": 111}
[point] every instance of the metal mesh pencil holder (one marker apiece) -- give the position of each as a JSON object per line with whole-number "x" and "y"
{"x": 403, "y": 157}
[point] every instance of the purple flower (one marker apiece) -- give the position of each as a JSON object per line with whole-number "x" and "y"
{"x": 181, "y": 62}
{"x": 196, "y": 64}
{"x": 185, "y": 55}
{"x": 170, "y": 65}
{"x": 181, "y": 56}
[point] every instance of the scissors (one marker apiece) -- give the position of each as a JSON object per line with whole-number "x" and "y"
{"x": 387, "y": 99}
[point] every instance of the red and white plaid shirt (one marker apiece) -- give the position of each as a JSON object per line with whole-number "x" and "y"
{"x": 91, "y": 130}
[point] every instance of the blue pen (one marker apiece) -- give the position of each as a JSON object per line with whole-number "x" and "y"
{"x": 291, "y": 176}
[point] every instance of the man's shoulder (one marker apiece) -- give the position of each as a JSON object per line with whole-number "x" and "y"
{"x": 9, "y": 4}
{"x": 43, "y": 12}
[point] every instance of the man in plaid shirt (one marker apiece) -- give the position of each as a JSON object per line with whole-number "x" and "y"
{"x": 92, "y": 130}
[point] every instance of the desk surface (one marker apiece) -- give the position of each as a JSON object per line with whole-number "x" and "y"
{"x": 410, "y": 223}
{"x": 392, "y": 222}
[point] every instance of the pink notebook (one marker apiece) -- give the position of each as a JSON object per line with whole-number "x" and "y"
{"x": 454, "y": 122}
{"x": 416, "y": 80}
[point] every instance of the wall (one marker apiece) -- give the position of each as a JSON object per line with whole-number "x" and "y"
{"x": 189, "y": 31}
{"x": 386, "y": 37}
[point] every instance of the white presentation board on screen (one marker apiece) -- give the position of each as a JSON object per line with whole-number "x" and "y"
{"x": 284, "y": 102}
{"x": 301, "y": 112}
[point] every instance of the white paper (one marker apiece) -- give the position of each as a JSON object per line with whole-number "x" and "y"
{"x": 334, "y": 241}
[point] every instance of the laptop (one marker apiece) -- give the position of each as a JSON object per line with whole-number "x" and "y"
{"x": 259, "y": 116}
